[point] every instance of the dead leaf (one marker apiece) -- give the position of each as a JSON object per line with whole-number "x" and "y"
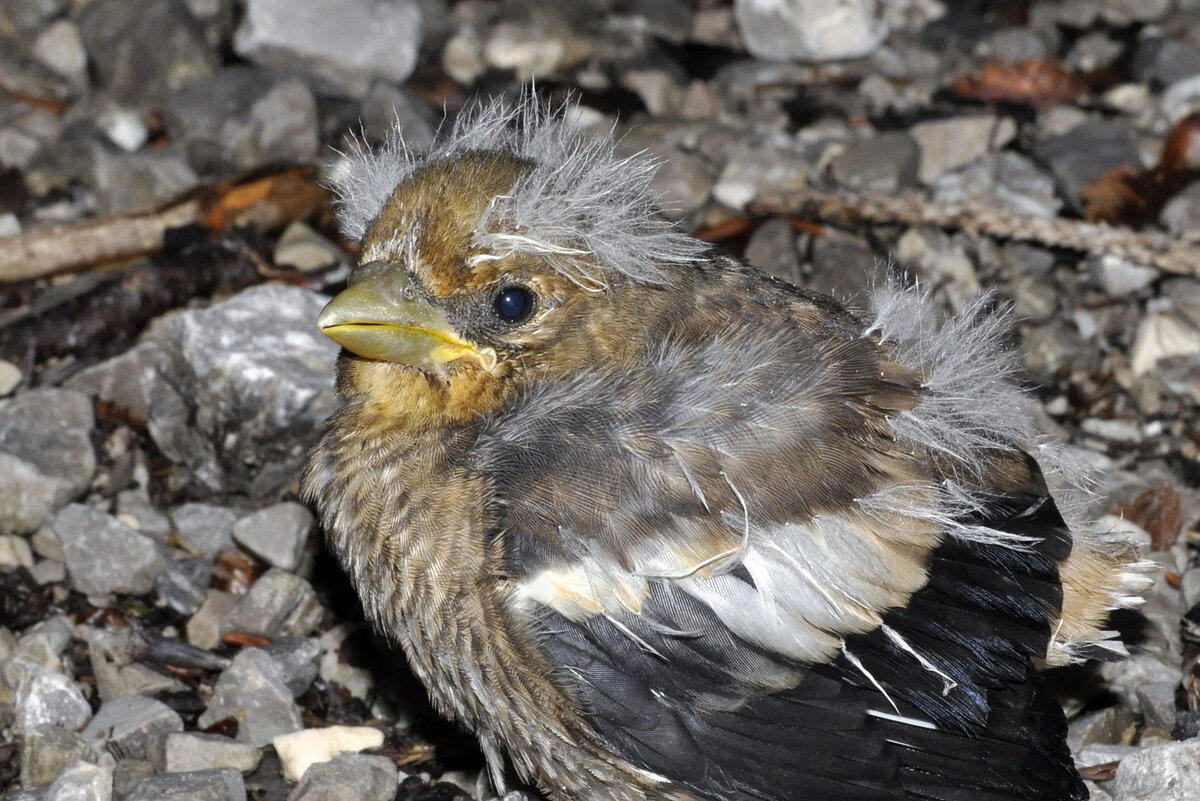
{"x": 236, "y": 571}
{"x": 1036, "y": 82}
{"x": 1120, "y": 196}
{"x": 1159, "y": 512}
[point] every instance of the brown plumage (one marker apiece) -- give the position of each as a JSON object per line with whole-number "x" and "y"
{"x": 655, "y": 525}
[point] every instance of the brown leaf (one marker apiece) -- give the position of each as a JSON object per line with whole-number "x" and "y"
{"x": 1121, "y": 195}
{"x": 226, "y": 727}
{"x": 1181, "y": 151}
{"x": 1159, "y": 512}
{"x": 1036, "y": 82}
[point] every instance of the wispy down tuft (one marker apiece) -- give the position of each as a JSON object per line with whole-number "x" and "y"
{"x": 582, "y": 203}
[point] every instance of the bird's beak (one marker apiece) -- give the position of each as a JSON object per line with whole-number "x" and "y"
{"x": 382, "y": 316}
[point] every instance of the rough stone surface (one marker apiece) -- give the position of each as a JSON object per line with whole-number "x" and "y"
{"x": 297, "y": 658}
{"x": 46, "y": 751}
{"x": 47, "y": 698}
{"x": 46, "y": 456}
{"x": 342, "y": 44}
{"x": 255, "y": 373}
{"x": 358, "y": 776}
{"x": 253, "y": 690}
{"x": 950, "y": 143}
{"x": 279, "y": 603}
{"x": 130, "y": 724}
{"x": 82, "y": 781}
{"x": 204, "y": 527}
{"x": 221, "y": 784}
{"x": 1168, "y": 772}
{"x": 189, "y": 752}
{"x": 104, "y": 555}
{"x": 204, "y": 628}
{"x": 277, "y": 534}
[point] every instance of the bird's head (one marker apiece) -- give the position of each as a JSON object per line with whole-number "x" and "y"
{"x": 516, "y": 250}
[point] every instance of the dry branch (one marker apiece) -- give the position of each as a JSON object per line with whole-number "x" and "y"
{"x": 1153, "y": 249}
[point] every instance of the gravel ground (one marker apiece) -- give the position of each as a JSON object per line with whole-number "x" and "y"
{"x": 168, "y": 618}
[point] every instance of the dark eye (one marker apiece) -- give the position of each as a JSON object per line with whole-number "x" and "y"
{"x": 514, "y": 304}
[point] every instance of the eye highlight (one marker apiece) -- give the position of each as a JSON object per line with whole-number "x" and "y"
{"x": 514, "y": 304}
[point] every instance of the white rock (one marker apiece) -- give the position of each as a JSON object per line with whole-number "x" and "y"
{"x": 810, "y": 30}
{"x": 15, "y": 552}
{"x": 1159, "y": 335}
{"x": 301, "y": 749}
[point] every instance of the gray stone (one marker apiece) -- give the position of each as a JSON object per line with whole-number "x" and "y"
{"x": 1081, "y": 155}
{"x": 81, "y": 781}
{"x": 772, "y": 249}
{"x": 1094, "y": 51}
{"x": 387, "y": 106}
{"x": 44, "y": 642}
{"x": 1161, "y": 61}
{"x": 129, "y": 724}
{"x": 303, "y": 249}
{"x": 104, "y": 555}
{"x": 47, "y": 698}
{"x": 278, "y": 604}
{"x": 358, "y": 681}
{"x": 126, "y": 181}
{"x": 1169, "y": 772}
{"x": 297, "y": 658}
{"x": 940, "y": 259}
{"x": 24, "y": 15}
{"x": 46, "y": 456}
{"x": 1156, "y": 700}
{"x": 242, "y": 118}
{"x": 46, "y": 751}
{"x": 1126, "y": 676}
{"x": 205, "y": 528}
{"x": 1102, "y": 754}
{"x": 258, "y": 380}
{"x": 183, "y": 584}
{"x": 277, "y": 534}
{"x": 843, "y": 264}
{"x": 111, "y": 652}
{"x": 184, "y": 752}
{"x": 204, "y": 628}
{"x": 1184, "y": 294}
{"x": 951, "y": 143}
{"x": 135, "y": 510}
{"x": 358, "y": 776}
{"x": 143, "y": 49}
{"x": 880, "y": 165}
{"x": 809, "y": 30}
{"x": 1005, "y": 180}
{"x": 1120, "y": 277}
{"x": 1107, "y": 726}
{"x": 1181, "y": 214}
{"x": 751, "y": 171}
{"x": 1012, "y": 45}
{"x": 48, "y": 571}
{"x": 1127, "y": 12}
{"x": 220, "y": 784}
{"x": 131, "y": 380}
{"x": 1189, "y": 586}
{"x": 342, "y": 44}
{"x": 254, "y": 691}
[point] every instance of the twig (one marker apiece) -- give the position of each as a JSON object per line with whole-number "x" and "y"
{"x": 268, "y": 202}
{"x": 1153, "y": 249}
{"x": 46, "y": 251}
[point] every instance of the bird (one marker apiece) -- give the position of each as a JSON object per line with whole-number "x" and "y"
{"x": 655, "y": 525}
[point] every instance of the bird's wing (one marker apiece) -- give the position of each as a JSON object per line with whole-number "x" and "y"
{"x": 754, "y": 587}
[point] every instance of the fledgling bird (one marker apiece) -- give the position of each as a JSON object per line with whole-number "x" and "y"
{"x": 657, "y": 526}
